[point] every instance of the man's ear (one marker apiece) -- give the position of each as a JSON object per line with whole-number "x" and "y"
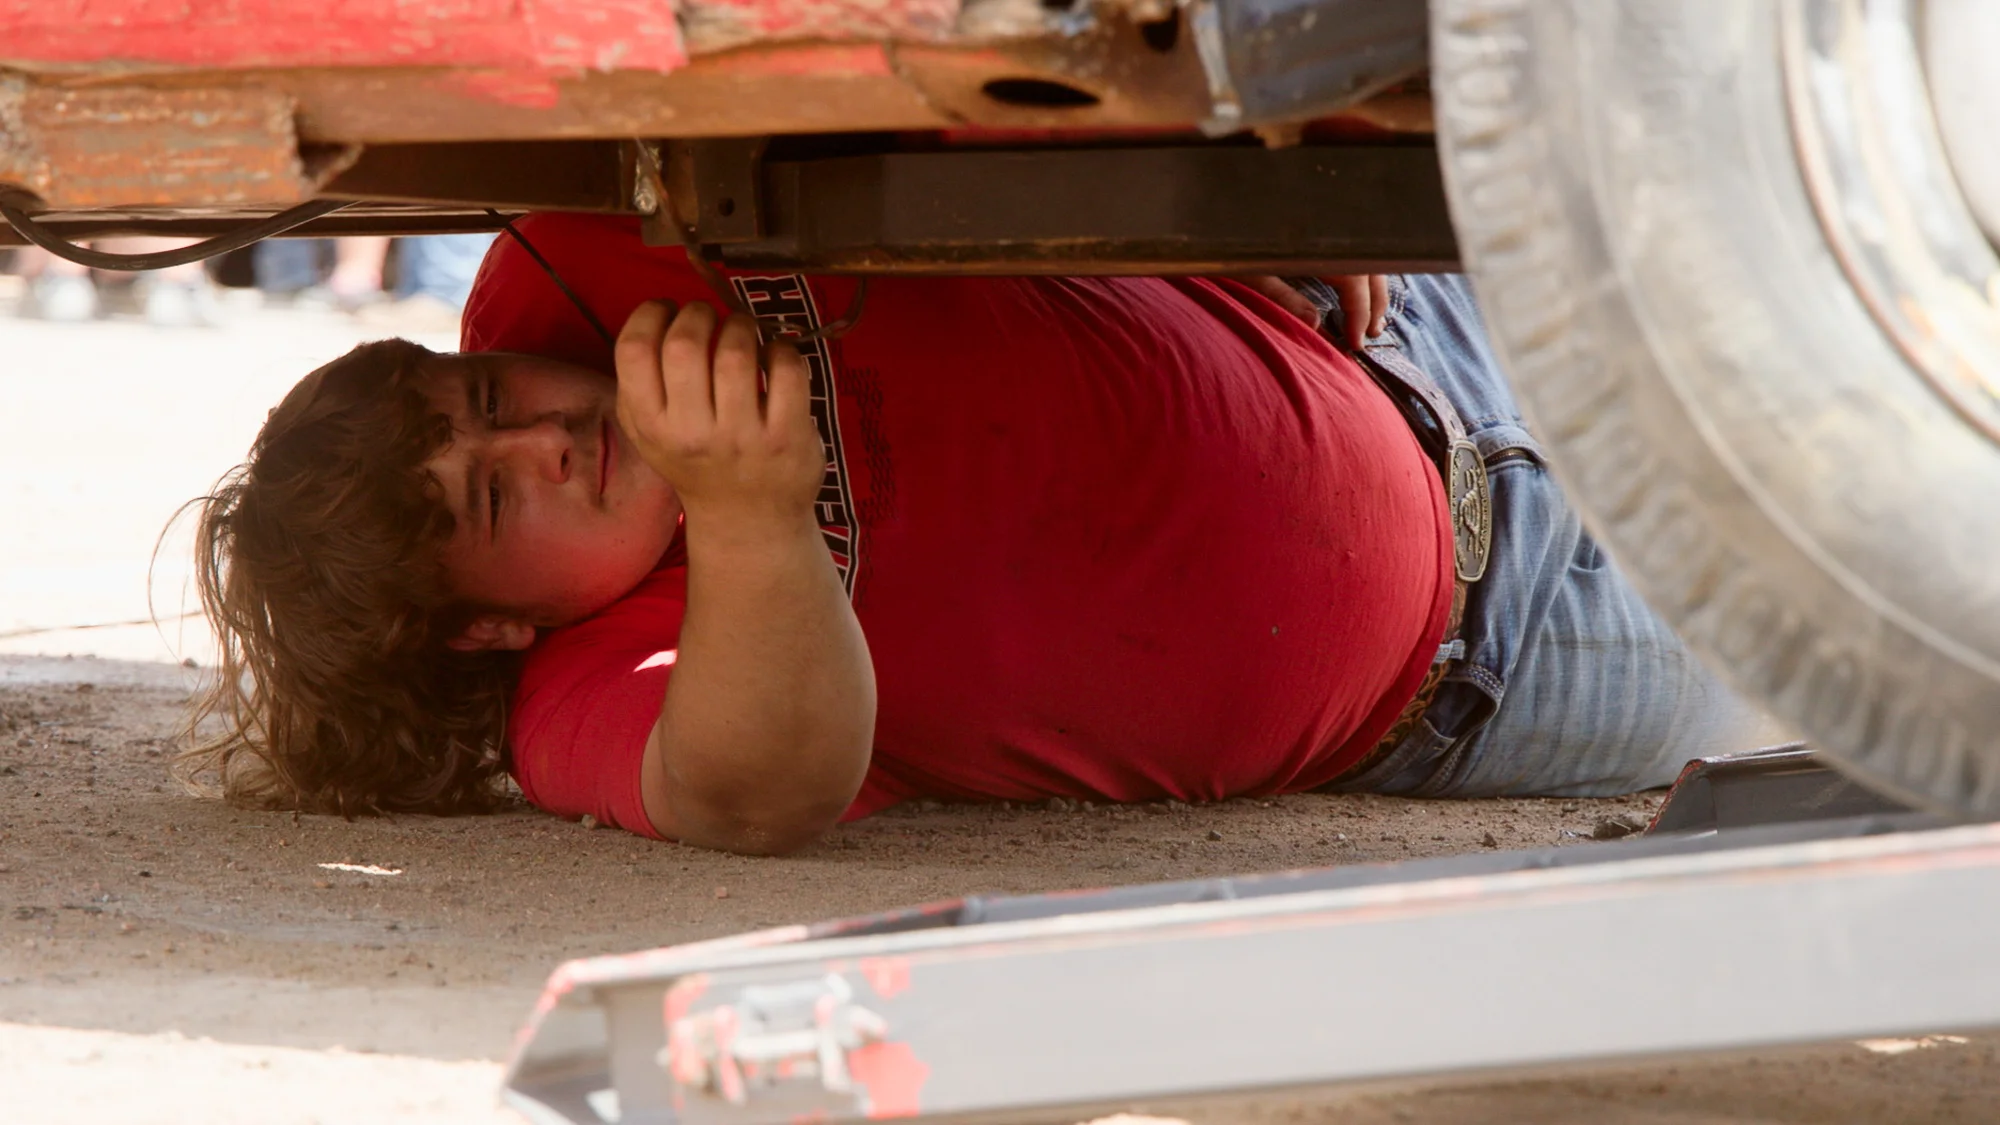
{"x": 492, "y": 632}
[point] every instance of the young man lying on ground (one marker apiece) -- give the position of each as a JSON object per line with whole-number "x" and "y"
{"x": 1108, "y": 539}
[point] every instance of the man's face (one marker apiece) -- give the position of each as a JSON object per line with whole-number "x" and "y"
{"x": 557, "y": 515}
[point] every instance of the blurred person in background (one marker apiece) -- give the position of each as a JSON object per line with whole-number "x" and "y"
{"x": 65, "y": 292}
{"x": 292, "y": 273}
{"x": 433, "y": 278}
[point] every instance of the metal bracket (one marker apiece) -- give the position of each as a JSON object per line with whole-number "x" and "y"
{"x": 645, "y": 197}
{"x": 1779, "y": 785}
{"x": 1833, "y": 930}
{"x": 1271, "y": 61}
{"x": 726, "y": 175}
{"x": 770, "y": 1034}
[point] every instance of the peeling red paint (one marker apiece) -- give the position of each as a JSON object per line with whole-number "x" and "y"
{"x": 528, "y": 35}
{"x": 559, "y": 986}
{"x": 723, "y": 1025}
{"x": 891, "y": 1076}
{"x": 888, "y": 976}
{"x": 683, "y": 994}
{"x": 685, "y": 1061}
{"x": 231, "y": 34}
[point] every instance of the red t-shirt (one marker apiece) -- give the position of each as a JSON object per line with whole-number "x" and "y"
{"x": 1109, "y": 538}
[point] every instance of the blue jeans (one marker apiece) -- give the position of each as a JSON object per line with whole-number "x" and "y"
{"x": 440, "y": 265}
{"x": 287, "y": 265}
{"x": 1569, "y": 686}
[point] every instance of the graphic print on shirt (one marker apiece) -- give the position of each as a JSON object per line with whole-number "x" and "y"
{"x": 787, "y": 300}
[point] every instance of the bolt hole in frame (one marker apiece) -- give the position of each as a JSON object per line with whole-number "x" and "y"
{"x": 1038, "y": 93}
{"x": 1162, "y": 35}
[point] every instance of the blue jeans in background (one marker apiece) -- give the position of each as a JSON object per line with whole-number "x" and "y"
{"x": 288, "y": 265}
{"x": 1570, "y": 685}
{"x": 440, "y": 266}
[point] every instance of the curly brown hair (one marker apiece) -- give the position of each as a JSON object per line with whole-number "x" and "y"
{"x": 317, "y": 563}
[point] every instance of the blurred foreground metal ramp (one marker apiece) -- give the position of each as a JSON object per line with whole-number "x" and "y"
{"x": 1054, "y": 1007}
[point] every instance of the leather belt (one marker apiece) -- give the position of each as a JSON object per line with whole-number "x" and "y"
{"x": 1441, "y": 433}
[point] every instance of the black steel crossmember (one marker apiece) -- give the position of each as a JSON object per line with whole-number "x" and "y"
{"x": 1190, "y": 209}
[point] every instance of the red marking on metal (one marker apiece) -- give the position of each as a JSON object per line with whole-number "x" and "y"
{"x": 683, "y": 994}
{"x": 888, "y": 976}
{"x": 560, "y": 985}
{"x": 526, "y": 89}
{"x": 729, "y": 1077}
{"x": 685, "y": 1059}
{"x": 891, "y": 1077}
{"x": 239, "y": 34}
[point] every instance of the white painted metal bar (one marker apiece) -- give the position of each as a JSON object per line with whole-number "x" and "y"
{"x": 1724, "y": 948}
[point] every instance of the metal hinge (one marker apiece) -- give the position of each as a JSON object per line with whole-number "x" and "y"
{"x": 771, "y": 1034}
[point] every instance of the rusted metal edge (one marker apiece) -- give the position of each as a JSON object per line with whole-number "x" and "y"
{"x": 141, "y": 146}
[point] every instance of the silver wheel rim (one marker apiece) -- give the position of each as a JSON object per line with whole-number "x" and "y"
{"x": 1877, "y": 170}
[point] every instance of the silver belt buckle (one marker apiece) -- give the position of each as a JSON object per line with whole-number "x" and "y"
{"x": 1471, "y": 499}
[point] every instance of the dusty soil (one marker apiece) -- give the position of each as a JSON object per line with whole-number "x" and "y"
{"x": 129, "y": 906}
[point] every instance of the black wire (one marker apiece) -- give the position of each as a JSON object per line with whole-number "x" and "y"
{"x": 61, "y": 247}
{"x": 507, "y": 225}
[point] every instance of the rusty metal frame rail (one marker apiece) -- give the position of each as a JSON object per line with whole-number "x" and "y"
{"x": 1135, "y": 209}
{"x": 1412, "y": 973}
{"x": 1129, "y": 210}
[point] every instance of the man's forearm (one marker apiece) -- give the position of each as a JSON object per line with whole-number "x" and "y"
{"x": 764, "y": 736}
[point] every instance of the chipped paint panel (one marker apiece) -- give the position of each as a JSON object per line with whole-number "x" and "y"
{"x": 522, "y": 35}
{"x": 134, "y": 146}
{"x": 241, "y": 34}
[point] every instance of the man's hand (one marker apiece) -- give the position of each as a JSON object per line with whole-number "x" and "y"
{"x": 1364, "y": 298}
{"x": 740, "y": 456}
{"x": 765, "y": 731}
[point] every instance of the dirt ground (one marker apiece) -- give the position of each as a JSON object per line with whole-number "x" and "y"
{"x": 173, "y": 935}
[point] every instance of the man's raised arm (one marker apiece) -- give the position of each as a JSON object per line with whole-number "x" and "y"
{"x": 764, "y": 736}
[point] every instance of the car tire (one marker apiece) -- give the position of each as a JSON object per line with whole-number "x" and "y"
{"x": 1759, "y": 453}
